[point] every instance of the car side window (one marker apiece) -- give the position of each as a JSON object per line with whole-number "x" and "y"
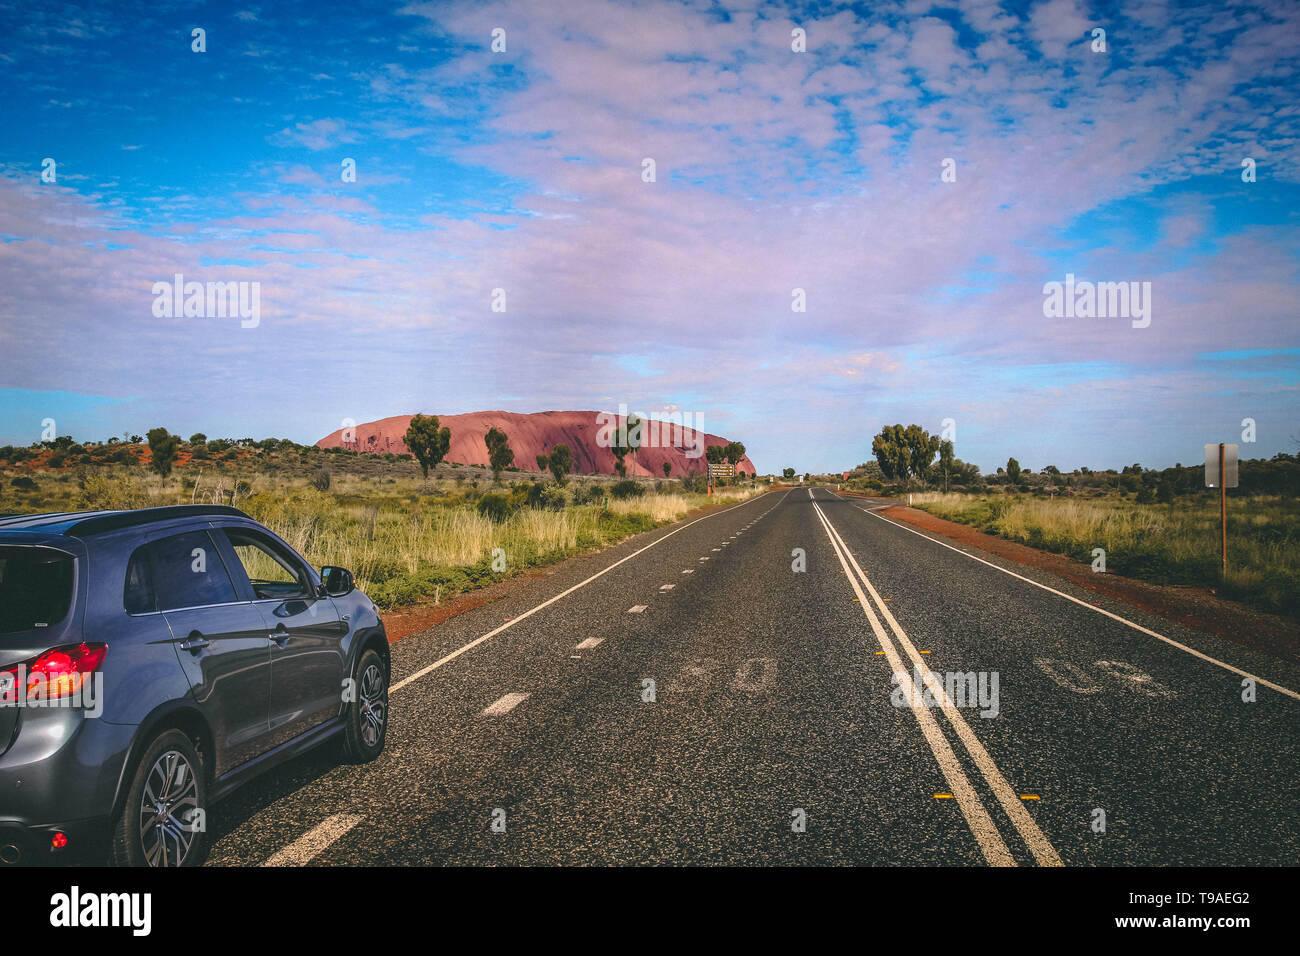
{"x": 137, "y": 595}
{"x": 272, "y": 573}
{"x": 188, "y": 572}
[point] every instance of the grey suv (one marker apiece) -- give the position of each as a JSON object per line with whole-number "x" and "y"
{"x": 152, "y": 661}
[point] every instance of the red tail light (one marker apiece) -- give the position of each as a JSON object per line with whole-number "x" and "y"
{"x": 60, "y": 671}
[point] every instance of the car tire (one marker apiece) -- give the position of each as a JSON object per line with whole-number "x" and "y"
{"x": 156, "y": 825}
{"x": 366, "y": 716}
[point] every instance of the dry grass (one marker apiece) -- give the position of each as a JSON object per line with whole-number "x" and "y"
{"x": 1174, "y": 543}
{"x": 406, "y": 539}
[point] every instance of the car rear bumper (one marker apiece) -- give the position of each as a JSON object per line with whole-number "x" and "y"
{"x": 53, "y": 844}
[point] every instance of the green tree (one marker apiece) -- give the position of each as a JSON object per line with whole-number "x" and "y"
{"x": 427, "y": 441}
{"x": 543, "y": 462}
{"x": 1013, "y": 471}
{"x": 626, "y": 442}
{"x": 947, "y": 462}
{"x": 198, "y": 438}
{"x": 163, "y": 446}
{"x": 905, "y": 453}
{"x": 560, "y": 461}
{"x": 500, "y": 454}
{"x": 668, "y": 468}
{"x": 787, "y": 473}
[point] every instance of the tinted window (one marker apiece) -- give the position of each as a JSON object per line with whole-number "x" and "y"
{"x": 272, "y": 572}
{"x": 188, "y": 572}
{"x": 137, "y": 595}
{"x": 35, "y": 588}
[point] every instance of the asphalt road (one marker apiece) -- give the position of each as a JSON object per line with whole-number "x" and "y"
{"x": 527, "y": 732}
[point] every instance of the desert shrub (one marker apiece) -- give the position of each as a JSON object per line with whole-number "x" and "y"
{"x": 320, "y": 479}
{"x": 24, "y": 483}
{"x": 110, "y": 490}
{"x": 553, "y": 497}
{"x": 495, "y": 507}
{"x": 627, "y": 488}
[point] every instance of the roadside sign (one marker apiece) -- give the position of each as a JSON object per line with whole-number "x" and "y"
{"x": 724, "y": 470}
{"x": 846, "y": 476}
{"x": 1212, "y": 466}
{"x": 1221, "y": 473}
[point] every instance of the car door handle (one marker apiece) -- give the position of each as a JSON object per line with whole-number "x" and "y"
{"x": 194, "y": 643}
{"x": 280, "y": 635}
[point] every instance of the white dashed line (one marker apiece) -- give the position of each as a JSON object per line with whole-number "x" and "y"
{"x": 637, "y": 608}
{"x": 315, "y": 841}
{"x": 503, "y": 706}
{"x": 666, "y": 587}
{"x": 563, "y": 594}
{"x": 589, "y": 643}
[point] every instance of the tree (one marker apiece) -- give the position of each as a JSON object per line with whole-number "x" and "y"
{"x": 163, "y": 445}
{"x": 946, "y": 461}
{"x": 427, "y": 441}
{"x": 543, "y": 462}
{"x": 1013, "y": 471}
{"x": 668, "y": 468}
{"x": 733, "y": 451}
{"x": 560, "y": 461}
{"x": 787, "y": 473}
{"x": 905, "y": 453}
{"x": 626, "y": 442}
{"x": 198, "y": 438}
{"x": 500, "y": 454}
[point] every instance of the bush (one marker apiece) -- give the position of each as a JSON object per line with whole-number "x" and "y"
{"x": 495, "y": 507}
{"x": 553, "y": 497}
{"x": 24, "y": 483}
{"x": 320, "y": 479}
{"x": 627, "y": 488}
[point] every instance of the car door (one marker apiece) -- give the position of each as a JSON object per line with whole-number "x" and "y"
{"x": 307, "y": 656}
{"x": 220, "y": 640}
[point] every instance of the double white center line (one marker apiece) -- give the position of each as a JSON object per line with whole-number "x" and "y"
{"x": 977, "y": 817}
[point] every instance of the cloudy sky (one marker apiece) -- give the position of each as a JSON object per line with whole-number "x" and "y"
{"x": 523, "y": 170}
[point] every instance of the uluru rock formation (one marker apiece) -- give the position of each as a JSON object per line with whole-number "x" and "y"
{"x": 537, "y": 434}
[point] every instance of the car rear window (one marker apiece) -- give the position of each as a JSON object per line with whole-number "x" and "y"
{"x": 35, "y": 588}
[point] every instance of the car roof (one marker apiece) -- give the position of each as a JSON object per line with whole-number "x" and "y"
{"x": 79, "y": 524}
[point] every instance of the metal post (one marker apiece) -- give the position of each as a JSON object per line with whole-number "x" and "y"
{"x": 1223, "y": 516}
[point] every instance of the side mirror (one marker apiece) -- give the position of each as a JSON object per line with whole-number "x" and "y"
{"x": 337, "y": 581}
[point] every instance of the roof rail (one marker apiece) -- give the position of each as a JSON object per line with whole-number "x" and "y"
{"x": 127, "y": 519}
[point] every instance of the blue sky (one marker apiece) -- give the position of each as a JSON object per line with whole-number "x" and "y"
{"x": 521, "y": 170}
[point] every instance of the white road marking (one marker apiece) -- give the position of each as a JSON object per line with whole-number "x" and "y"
{"x": 563, "y": 594}
{"x": 666, "y": 587}
{"x": 589, "y": 643}
{"x": 637, "y": 608}
{"x": 315, "y": 841}
{"x": 977, "y": 817}
{"x": 689, "y": 571}
{"x": 1092, "y": 607}
{"x": 1034, "y": 838}
{"x": 503, "y": 706}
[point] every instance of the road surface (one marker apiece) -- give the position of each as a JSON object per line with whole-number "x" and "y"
{"x": 723, "y": 691}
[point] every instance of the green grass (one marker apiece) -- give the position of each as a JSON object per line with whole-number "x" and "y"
{"x": 1174, "y": 543}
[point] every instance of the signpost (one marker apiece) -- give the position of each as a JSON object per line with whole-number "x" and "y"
{"x": 721, "y": 470}
{"x": 1221, "y": 473}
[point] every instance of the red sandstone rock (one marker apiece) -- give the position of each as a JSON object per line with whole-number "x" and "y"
{"x": 536, "y": 434}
